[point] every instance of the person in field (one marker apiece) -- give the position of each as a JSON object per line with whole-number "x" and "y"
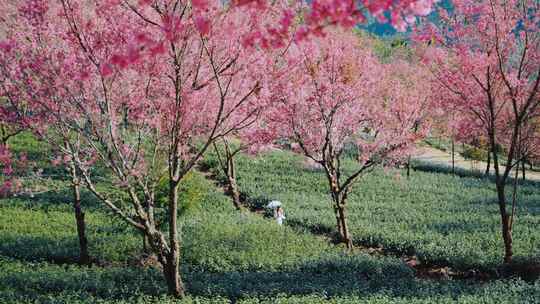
{"x": 279, "y": 215}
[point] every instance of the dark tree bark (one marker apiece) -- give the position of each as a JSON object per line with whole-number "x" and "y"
{"x": 345, "y": 234}
{"x": 342, "y": 221}
{"x": 234, "y": 192}
{"x": 523, "y": 169}
{"x": 228, "y": 167}
{"x": 488, "y": 163}
{"x": 171, "y": 268}
{"x": 146, "y": 244}
{"x": 84, "y": 256}
{"x": 408, "y": 166}
{"x": 453, "y": 158}
{"x": 505, "y": 225}
{"x": 339, "y": 224}
{"x": 500, "y": 184}
{"x": 231, "y": 179}
{"x": 339, "y": 200}
{"x": 6, "y": 133}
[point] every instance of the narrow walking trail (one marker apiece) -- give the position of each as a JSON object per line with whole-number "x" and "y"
{"x": 436, "y": 156}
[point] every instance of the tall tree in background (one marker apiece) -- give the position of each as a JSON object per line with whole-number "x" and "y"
{"x": 486, "y": 62}
{"x": 226, "y": 152}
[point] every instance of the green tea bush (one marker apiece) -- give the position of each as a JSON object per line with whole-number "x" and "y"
{"x": 359, "y": 279}
{"x": 36, "y": 234}
{"x": 441, "y": 218}
{"x": 240, "y": 257}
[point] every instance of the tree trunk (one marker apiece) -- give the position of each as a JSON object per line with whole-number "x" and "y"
{"x": 345, "y": 234}
{"x": 488, "y": 163}
{"x": 409, "y": 166}
{"x": 339, "y": 223}
{"x": 171, "y": 268}
{"x": 172, "y": 275}
{"x": 235, "y": 194}
{"x": 168, "y": 257}
{"x": 507, "y": 237}
{"x": 523, "y": 169}
{"x": 505, "y": 224}
{"x": 147, "y": 247}
{"x": 500, "y": 184}
{"x": 3, "y": 136}
{"x": 231, "y": 180}
{"x": 229, "y": 169}
{"x": 453, "y": 158}
{"x": 146, "y": 244}
{"x": 84, "y": 257}
{"x": 339, "y": 198}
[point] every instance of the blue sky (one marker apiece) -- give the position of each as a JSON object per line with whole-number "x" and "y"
{"x": 387, "y": 30}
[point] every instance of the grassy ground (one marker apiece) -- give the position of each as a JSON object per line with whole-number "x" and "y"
{"x": 441, "y": 218}
{"x": 227, "y": 256}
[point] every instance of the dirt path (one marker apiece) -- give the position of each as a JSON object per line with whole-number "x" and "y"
{"x": 436, "y": 156}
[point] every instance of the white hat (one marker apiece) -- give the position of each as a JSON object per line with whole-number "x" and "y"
{"x": 273, "y": 204}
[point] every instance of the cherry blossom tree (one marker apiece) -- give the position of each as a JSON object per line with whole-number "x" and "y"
{"x": 246, "y": 140}
{"x": 144, "y": 118}
{"x": 485, "y": 56}
{"x": 26, "y": 113}
{"x": 336, "y": 94}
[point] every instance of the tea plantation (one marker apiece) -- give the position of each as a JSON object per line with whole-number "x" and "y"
{"x": 243, "y": 257}
{"x": 443, "y": 219}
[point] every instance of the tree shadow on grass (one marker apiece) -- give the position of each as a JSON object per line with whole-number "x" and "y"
{"x": 105, "y": 248}
{"x": 61, "y": 197}
{"x": 40, "y": 281}
{"x": 40, "y": 249}
{"x": 525, "y": 205}
{"x": 316, "y": 229}
{"x": 339, "y": 278}
{"x": 256, "y": 204}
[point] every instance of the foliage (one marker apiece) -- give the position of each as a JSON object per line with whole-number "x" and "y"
{"x": 437, "y": 143}
{"x": 192, "y": 191}
{"x": 353, "y": 280}
{"x": 474, "y": 153}
{"x": 391, "y": 48}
